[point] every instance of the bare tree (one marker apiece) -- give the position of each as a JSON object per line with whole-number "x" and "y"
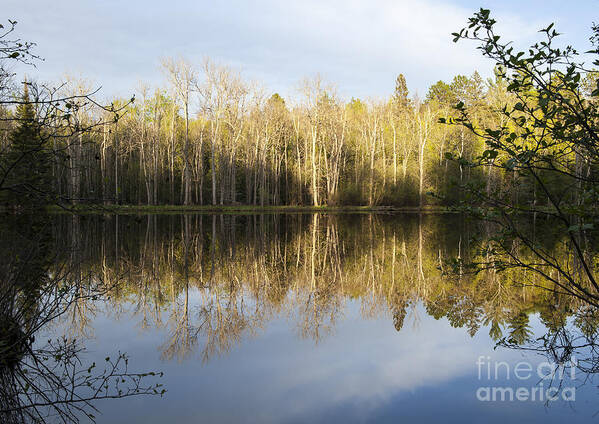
{"x": 183, "y": 78}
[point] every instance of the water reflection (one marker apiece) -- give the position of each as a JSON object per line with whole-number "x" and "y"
{"x": 243, "y": 270}
{"x": 47, "y": 380}
{"x": 209, "y": 286}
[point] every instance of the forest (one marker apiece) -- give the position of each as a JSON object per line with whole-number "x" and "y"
{"x": 210, "y": 137}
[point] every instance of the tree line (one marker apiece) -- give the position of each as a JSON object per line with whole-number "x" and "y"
{"x": 212, "y": 138}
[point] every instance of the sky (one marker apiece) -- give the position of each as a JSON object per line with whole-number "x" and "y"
{"x": 360, "y": 46}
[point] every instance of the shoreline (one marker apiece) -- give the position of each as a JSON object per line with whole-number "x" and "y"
{"x": 240, "y": 209}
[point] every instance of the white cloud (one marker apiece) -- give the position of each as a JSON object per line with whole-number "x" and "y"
{"x": 359, "y": 45}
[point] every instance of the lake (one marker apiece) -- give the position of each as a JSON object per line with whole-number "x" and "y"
{"x": 293, "y": 318}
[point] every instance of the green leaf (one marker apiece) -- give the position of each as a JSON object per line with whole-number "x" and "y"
{"x": 491, "y": 154}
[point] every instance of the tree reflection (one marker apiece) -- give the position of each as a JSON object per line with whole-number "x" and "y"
{"x": 48, "y": 380}
{"x": 212, "y": 281}
{"x": 218, "y": 277}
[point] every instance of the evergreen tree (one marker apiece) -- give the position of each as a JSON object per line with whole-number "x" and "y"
{"x": 401, "y": 95}
{"x": 441, "y": 93}
{"x": 26, "y": 168}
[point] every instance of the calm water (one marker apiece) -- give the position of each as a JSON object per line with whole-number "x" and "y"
{"x": 312, "y": 318}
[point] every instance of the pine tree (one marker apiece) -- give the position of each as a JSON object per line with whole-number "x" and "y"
{"x": 26, "y": 168}
{"x": 401, "y": 95}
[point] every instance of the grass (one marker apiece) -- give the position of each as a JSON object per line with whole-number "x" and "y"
{"x": 237, "y": 209}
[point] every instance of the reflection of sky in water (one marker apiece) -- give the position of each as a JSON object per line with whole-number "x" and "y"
{"x": 364, "y": 371}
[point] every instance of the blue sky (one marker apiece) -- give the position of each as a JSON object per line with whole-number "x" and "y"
{"x": 360, "y": 46}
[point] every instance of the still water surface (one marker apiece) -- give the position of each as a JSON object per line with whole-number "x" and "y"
{"x": 298, "y": 318}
